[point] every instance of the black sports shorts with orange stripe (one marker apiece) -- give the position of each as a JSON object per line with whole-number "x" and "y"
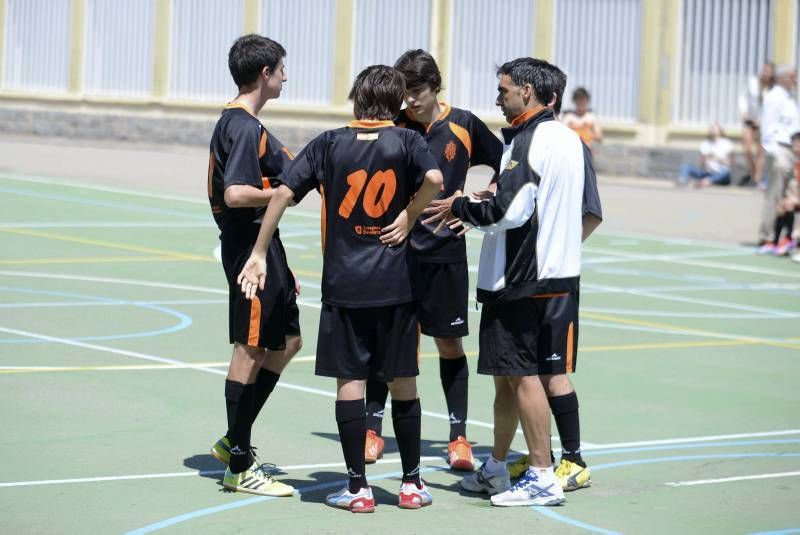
{"x": 532, "y": 336}
{"x": 374, "y": 342}
{"x": 266, "y": 320}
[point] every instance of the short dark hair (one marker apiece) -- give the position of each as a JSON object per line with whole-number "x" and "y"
{"x": 249, "y": 54}
{"x": 536, "y": 72}
{"x": 561, "y": 84}
{"x": 377, "y": 93}
{"x": 580, "y": 92}
{"x": 795, "y": 136}
{"x": 419, "y": 68}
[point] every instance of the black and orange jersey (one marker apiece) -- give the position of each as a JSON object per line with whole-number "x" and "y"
{"x": 242, "y": 152}
{"x": 458, "y": 140}
{"x": 367, "y": 174}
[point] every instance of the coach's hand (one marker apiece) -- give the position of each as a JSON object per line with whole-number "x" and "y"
{"x": 253, "y": 275}
{"x": 441, "y": 210}
{"x": 395, "y": 233}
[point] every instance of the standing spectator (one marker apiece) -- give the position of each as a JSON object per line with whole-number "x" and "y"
{"x": 779, "y": 120}
{"x": 750, "y": 103}
{"x": 582, "y": 119}
{"x": 715, "y": 161}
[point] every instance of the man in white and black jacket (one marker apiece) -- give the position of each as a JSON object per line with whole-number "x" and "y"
{"x": 529, "y": 272}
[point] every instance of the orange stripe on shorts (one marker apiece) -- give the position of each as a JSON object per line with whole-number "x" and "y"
{"x": 255, "y": 322}
{"x": 570, "y": 348}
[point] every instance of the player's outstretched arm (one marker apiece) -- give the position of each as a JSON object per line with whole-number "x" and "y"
{"x": 590, "y": 223}
{"x": 395, "y": 233}
{"x": 254, "y": 274}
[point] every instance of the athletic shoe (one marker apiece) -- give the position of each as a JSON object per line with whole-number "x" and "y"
{"x": 531, "y": 490}
{"x": 255, "y": 480}
{"x": 359, "y": 502}
{"x": 519, "y": 467}
{"x": 766, "y": 248}
{"x": 785, "y": 246}
{"x": 413, "y": 496}
{"x": 373, "y": 447}
{"x": 459, "y": 455}
{"x": 221, "y": 451}
{"x": 573, "y": 476}
{"x": 483, "y": 481}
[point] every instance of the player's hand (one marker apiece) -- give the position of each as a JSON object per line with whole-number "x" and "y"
{"x": 395, "y": 233}
{"x": 253, "y": 275}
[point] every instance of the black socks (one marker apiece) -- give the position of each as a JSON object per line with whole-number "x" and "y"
{"x": 407, "y": 420}
{"x": 454, "y": 374}
{"x": 265, "y": 384}
{"x": 352, "y": 423}
{"x": 377, "y": 393}
{"x": 565, "y": 412}
{"x": 239, "y": 404}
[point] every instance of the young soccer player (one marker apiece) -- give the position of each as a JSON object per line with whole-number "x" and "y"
{"x": 375, "y": 179}
{"x": 264, "y": 331}
{"x": 458, "y": 140}
{"x": 582, "y": 119}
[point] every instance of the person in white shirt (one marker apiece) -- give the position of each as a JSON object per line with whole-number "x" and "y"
{"x": 715, "y": 161}
{"x": 780, "y": 119}
{"x": 750, "y": 104}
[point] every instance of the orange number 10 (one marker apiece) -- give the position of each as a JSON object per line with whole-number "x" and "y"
{"x": 383, "y": 182}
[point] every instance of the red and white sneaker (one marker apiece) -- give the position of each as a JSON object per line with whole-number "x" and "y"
{"x": 459, "y": 455}
{"x": 359, "y": 502}
{"x": 373, "y": 447}
{"x": 413, "y": 496}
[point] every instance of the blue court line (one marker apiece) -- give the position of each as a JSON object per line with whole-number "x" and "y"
{"x": 550, "y": 513}
{"x": 104, "y": 204}
{"x": 779, "y": 532}
{"x": 244, "y": 503}
{"x": 184, "y": 320}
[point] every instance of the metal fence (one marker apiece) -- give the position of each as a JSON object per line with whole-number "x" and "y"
{"x": 119, "y": 48}
{"x": 306, "y": 29}
{"x": 36, "y": 46}
{"x": 384, "y": 29}
{"x": 598, "y": 44}
{"x": 723, "y": 42}
{"x": 484, "y": 37}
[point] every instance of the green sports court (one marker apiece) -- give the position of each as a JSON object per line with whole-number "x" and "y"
{"x": 113, "y": 350}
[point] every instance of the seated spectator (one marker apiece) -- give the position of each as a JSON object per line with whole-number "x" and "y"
{"x": 715, "y": 161}
{"x": 582, "y": 119}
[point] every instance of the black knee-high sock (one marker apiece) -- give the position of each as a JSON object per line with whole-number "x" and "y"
{"x": 265, "y": 384}
{"x": 565, "y": 412}
{"x": 454, "y": 374}
{"x": 407, "y": 420}
{"x": 352, "y": 422}
{"x": 788, "y": 224}
{"x": 239, "y": 403}
{"x": 779, "y": 223}
{"x": 377, "y": 392}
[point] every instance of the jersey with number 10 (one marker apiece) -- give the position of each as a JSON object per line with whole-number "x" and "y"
{"x": 367, "y": 173}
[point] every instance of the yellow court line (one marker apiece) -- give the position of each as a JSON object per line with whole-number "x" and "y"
{"x": 670, "y": 345}
{"x": 699, "y": 332}
{"x": 111, "y": 245}
{"x": 90, "y": 260}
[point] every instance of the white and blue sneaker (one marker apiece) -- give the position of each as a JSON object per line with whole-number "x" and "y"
{"x": 534, "y": 488}
{"x": 486, "y": 482}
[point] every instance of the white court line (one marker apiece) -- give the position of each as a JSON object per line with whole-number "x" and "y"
{"x": 143, "y": 356}
{"x": 691, "y": 440}
{"x": 728, "y": 479}
{"x": 190, "y": 474}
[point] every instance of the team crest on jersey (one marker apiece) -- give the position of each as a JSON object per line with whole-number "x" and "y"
{"x": 511, "y": 165}
{"x": 450, "y": 151}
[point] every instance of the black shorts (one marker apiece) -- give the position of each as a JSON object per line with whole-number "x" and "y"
{"x": 532, "y": 336}
{"x": 359, "y": 343}
{"x": 272, "y": 315}
{"x": 443, "y": 293}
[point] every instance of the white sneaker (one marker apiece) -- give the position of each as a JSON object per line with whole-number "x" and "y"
{"x": 484, "y": 481}
{"x": 359, "y": 502}
{"x": 532, "y": 489}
